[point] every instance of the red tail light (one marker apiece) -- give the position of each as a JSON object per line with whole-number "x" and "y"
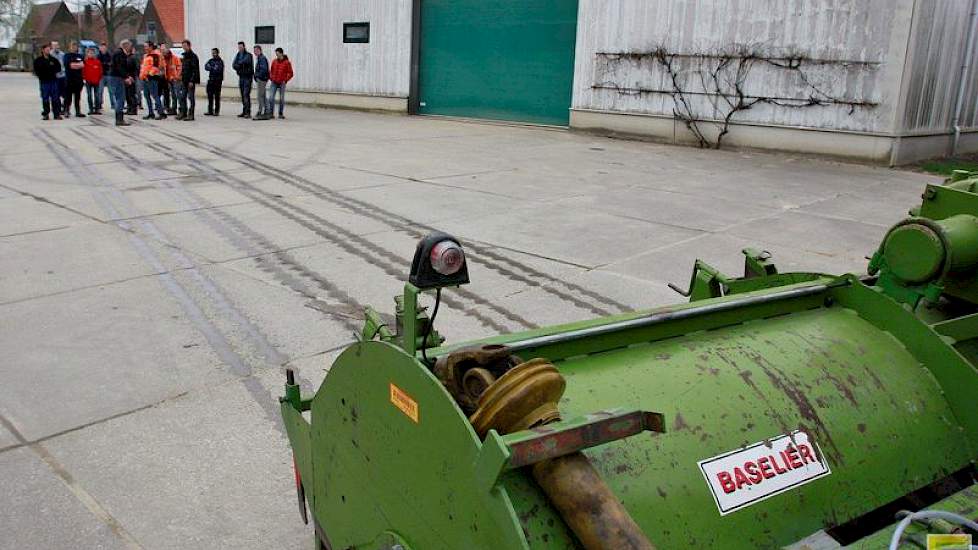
{"x": 447, "y": 258}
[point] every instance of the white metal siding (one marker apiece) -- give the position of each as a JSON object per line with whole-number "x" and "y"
{"x": 937, "y": 44}
{"x": 311, "y": 32}
{"x": 853, "y": 36}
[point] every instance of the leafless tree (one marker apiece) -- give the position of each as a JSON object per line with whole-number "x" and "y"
{"x": 12, "y": 15}
{"x": 711, "y": 88}
{"x": 116, "y": 13}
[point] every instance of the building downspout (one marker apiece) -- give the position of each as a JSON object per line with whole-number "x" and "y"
{"x": 965, "y": 70}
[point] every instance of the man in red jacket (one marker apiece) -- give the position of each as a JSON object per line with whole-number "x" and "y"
{"x": 280, "y": 75}
{"x": 92, "y": 75}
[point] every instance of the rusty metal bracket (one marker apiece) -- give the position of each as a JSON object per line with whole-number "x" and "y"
{"x": 501, "y": 453}
{"x": 563, "y": 438}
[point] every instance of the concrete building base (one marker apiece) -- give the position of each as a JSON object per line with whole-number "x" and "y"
{"x": 348, "y": 101}
{"x": 322, "y": 99}
{"x": 914, "y": 148}
{"x": 874, "y": 148}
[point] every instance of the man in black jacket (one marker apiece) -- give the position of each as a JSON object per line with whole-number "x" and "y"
{"x": 244, "y": 65}
{"x": 74, "y": 63}
{"x": 46, "y": 68}
{"x": 119, "y": 80}
{"x": 215, "y": 80}
{"x": 190, "y": 77}
{"x": 132, "y": 76}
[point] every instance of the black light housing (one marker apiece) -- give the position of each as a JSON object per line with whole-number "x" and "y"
{"x": 426, "y": 274}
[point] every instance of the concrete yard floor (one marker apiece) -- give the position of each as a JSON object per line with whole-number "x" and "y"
{"x": 156, "y": 280}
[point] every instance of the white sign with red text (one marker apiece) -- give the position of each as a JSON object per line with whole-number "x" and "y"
{"x": 743, "y": 477}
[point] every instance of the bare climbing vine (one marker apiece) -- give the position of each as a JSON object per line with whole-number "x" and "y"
{"x": 723, "y": 78}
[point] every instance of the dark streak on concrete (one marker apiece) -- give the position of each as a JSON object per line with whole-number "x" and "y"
{"x": 519, "y": 272}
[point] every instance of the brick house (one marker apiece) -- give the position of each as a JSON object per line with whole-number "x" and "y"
{"x": 92, "y": 26}
{"x": 44, "y": 23}
{"x": 163, "y": 21}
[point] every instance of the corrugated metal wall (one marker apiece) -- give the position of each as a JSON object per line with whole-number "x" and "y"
{"x": 856, "y": 48}
{"x": 849, "y": 39}
{"x": 311, "y": 32}
{"x": 938, "y": 38}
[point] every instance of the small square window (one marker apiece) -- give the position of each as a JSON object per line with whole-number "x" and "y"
{"x": 265, "y": 35}
{"x": 356, "y": 33}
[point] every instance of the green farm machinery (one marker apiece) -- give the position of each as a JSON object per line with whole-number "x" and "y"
{"x": 773, "y": 410}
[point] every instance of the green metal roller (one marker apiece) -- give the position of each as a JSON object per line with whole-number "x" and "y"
{"x": 773, "y": 410}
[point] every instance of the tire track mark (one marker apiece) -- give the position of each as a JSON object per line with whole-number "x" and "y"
{"x": 212, "y": 216}
{"x": 283, "y": 269}
{"x": 389, "y": 262}
{"x": 102, "y": 190}
{"x": 516, "y": 271}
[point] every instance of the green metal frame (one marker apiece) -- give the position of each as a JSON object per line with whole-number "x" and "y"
{"x": 388, "y": 459}
{"x": 708, "y": 282}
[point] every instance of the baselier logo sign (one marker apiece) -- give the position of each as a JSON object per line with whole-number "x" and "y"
{"x": 745, "y": 476}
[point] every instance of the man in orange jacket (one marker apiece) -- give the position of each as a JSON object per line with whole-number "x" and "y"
{"x": 170, "y": 89}
{"x": 151, "y": 72}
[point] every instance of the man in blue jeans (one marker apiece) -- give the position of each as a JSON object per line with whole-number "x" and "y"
{"x": 62, "y": 75}
{"x": 105, "y": 58}
{"x": 244, "y": 65}
{"x": 153, "y": 71}
{"x": 189, "y": 79}
{"x": 280, "y": 75}
{"x": 46, "y": 69}
{"x": 118, "y": 79}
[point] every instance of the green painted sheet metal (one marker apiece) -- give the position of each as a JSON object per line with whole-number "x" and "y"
{"x": 941, "y": 202}
{"x": 498, "y": 59}
{"x": 884, "y": 396}
{"x": 378, "y": 471}
{"x": 879, "y": 418}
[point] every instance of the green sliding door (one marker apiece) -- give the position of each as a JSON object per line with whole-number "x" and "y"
{"x": 498, "y": 59}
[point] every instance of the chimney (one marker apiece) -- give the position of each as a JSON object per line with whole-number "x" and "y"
{"x": 88, "y": 16}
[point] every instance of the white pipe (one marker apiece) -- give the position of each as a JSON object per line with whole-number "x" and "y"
{"x": 928, "y": 514}
{"x": 965, "y": 70}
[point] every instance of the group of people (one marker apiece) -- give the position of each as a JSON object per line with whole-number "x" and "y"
{"x": 166, "y": 81}
{"x": 270, "y": 80}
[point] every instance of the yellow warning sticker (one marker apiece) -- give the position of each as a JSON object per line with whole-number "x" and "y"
{"x": 403, "y": 401}
{"x": 948, "y": 542}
